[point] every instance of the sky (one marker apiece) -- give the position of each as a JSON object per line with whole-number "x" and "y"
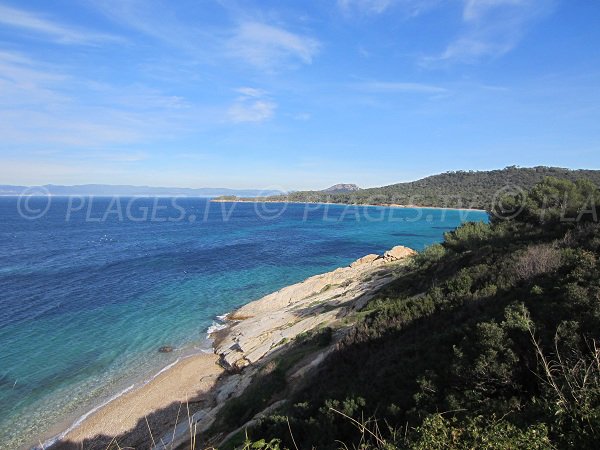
{"x": 294, "y": 94}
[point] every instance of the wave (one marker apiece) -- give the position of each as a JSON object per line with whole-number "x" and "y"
{"x": 53, "y": 440}
{"x": 216, "y": 326}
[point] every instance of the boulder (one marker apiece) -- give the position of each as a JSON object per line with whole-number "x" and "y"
{"x": 398, "y": 252}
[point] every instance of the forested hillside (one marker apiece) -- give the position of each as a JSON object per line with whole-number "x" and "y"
{"x": 451, "y": 189}
{"x": 488, "y": 340}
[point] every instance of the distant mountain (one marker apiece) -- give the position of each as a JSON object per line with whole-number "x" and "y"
{"x": 126, "y": 190}
{"x": 341, "y": 188}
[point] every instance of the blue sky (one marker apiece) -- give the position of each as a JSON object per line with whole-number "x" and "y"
{"x": 294, "y": 94}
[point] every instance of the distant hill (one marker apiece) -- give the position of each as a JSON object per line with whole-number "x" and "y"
{"x": 459, "y": 189}
{"x": 338, "y": 188}
{"x": 126, "y": 190}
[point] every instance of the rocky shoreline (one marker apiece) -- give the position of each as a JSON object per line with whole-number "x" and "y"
{"x": 261, "y": 326}
{"x": 259, "y": 331}
{"x": 255, "y": 334}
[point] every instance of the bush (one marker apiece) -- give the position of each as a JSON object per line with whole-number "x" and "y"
{"x": 439, "y": 433}
{"x": 468, "y": 236}
{"x": 537, "y": 260}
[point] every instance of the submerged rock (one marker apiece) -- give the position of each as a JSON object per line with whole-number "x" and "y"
{"x": 165, "y": 349}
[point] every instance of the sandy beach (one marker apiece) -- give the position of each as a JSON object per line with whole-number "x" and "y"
{"x": 185, "y": 381}
{"x": 257, "y": 329}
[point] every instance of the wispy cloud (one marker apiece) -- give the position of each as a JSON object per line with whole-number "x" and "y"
{"x": 264, "y": 45}
{"x": 304, "y": 116}
{"x": 391, "y": 87}
{"x": 410, "y": 8}
{"x": 491, "y": 28}
{"x": 60, "y": 33}
{"x": 122, "y": 156}
{"x": 370, "y": 6}
{"x": 267, "y": 46}
{"x": 251, "y": 106}
{"x": 251, "y": 92}
{"x": 23, "y": 81}
{"x": 477, "y": 9}
{"x": 153, "y": 19}
{"x": 47, "y": 106}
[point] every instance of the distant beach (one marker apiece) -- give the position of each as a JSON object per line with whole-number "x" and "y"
{"x": 381, "y": 205}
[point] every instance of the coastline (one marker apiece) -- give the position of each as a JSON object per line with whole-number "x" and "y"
{"x": 382, "y": 205}
{"x": 248, "y": 336}
{"x": 183, "y": 381}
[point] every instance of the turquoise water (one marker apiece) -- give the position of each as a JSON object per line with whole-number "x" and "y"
{"x": 91, "y": 288}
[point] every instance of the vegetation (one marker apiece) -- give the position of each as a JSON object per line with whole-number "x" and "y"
{"x": 459, "y": 189}
{"x": 269, "y": 385}
{"x": 488, "y": 340}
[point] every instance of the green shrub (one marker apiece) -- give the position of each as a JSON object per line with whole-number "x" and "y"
{"x": 439, "y": 433}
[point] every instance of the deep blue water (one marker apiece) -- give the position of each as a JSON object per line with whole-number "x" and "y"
{"x": 93, "y": 287}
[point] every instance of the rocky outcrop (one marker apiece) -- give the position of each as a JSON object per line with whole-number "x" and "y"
{"x": 341, "y": 187}
{"x": 258, "y": 330}
{"x": 365, "y": 260}
{"x": 260, "y": 326}
{"x": 398, "y": 252}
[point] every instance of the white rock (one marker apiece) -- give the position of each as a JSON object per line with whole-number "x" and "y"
{"x": 399, "y": 252}
{"x": 322, "y": 299}
{"x": 365, "y": 260}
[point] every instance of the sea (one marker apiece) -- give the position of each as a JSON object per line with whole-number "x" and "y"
{"x": 92, "y": 287}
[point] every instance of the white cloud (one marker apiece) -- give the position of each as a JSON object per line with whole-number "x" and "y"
{"x": 491, "y": 28}
{"x": 156, "y": 20}
{"x": 25, "y": 20}
{"x": 268, "y": 46}
{"x": 44, "y": 106}
{"x": 257, "y": 111}
{"x": 400, "y": 87}
{"x": 250, "y": 92}
{"x": 251, "y": 106}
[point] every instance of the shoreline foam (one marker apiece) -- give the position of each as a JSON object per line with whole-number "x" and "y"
{"x": 219, "y": 324}
{"x": 181, "y": 381}
{"x": 135, "y": 386}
